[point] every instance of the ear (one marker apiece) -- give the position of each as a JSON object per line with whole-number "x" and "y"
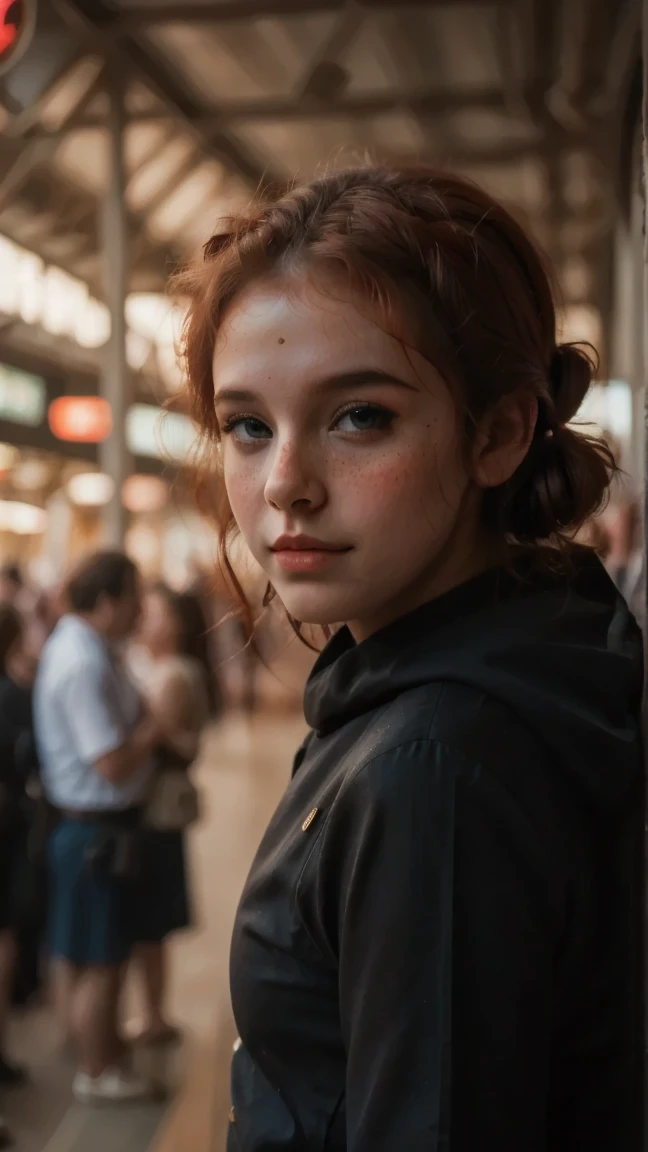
{"x": 503, "y": 439}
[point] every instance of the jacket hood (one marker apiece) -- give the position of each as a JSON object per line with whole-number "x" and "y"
{"x": 560, "y": 649}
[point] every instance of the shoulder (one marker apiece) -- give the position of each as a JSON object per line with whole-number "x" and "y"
{"x": 448, "y": 747}
{"x": 401, "y": 772}
{"x": 69, "y": 635}
{"x": 465, "y": 774}
{"x": 71, "y": 657}
{"x": 469, "y": 723}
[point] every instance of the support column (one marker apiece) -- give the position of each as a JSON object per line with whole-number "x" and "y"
{"x": 114, "y": 457}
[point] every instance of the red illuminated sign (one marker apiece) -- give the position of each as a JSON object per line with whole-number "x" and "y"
{"x": 80, "y": 419}
{"x": 17, "y": 20}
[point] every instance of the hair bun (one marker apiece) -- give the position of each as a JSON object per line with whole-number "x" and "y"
{"x": 566, "y": 476}
{"x": 570, "y": 375}
{"x": 563, "y": 482}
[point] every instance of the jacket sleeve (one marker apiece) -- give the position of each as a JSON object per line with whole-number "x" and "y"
{"x": 431, "y": 895}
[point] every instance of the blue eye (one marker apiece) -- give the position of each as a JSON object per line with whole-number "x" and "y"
{"x": 247, "y": 429}
{"x": 365, "y": 418}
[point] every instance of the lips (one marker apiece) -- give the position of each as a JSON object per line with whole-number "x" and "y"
{"x": 305, "y": 544}
{"x": 305, "y": 554}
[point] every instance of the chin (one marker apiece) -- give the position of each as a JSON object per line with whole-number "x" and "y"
{"x": 322, "y": 604}
{"x": 316, "y": 606}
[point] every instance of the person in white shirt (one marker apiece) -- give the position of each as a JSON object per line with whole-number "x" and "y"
{"x": 95, "y": 739}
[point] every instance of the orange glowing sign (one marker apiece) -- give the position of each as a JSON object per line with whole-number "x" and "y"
{"x": 17, "y": 19}
{"x": 80, "y": 419}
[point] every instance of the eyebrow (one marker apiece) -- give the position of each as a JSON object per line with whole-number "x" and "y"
{"x": 362, "y": 378}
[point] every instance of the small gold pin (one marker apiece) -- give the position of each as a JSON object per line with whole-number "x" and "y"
{"x": 309, "y": 819}
{"x": 232, "y": 1116}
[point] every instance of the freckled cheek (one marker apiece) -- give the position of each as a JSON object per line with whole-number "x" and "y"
{"x": 390, "y": 482}
{"x": 244, "y": 484}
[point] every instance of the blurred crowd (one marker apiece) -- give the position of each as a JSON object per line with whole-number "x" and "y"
{"x": 106, "y": 687}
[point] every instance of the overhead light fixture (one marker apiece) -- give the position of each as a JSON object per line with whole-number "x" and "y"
{"x": 31, "y": 475}
{"x": 155, "y": 316}
{"x": 91, "y": 489}
{"x": 142, "y": 493}
{"x": 81, "y": 419}
{"x": 164, "y": 435}
{"x": 143, "y": 546}
{"x": 23, "y": 396}
{"x": 23, "y": 519}
{"x": 48, "y": 296}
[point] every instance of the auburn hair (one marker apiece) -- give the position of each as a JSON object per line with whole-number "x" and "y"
{"x": 422, "y": 243}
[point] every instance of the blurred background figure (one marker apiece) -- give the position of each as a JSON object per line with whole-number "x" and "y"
{"x": 24, "y": 884}
{"x": 174, "y": 669}
{"x": 95, "y": 744}
{"x": 33, "y": 605}
{"x": 16, "y": 762}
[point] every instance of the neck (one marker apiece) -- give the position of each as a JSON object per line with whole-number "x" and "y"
{"x": 95, "y": 621}
{"x": 454, "y": 566}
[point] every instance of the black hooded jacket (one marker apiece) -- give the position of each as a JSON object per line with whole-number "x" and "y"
{"x": 439, "y": 947}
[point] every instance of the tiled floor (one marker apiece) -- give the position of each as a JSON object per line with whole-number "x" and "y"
{"x": 243, "y": 770}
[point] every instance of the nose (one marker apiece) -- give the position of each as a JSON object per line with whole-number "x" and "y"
{"x": 293, "y": 481}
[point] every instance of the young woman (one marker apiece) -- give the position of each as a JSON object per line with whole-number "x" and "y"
{"x": 176, "y": 678}
{"x": 439, "y": 944}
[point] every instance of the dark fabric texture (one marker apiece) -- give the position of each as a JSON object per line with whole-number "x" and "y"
{"x": 91, "y": 920}
{"x": 14, "y": 871}
{"x": 439, "y": 946}
{"x": 161, "y": 899}
{"x": 18, "y": 759}
{"x": 21, "y": 904}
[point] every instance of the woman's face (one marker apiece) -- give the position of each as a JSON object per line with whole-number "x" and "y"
{"x": 159, "y": 630}
{"x": 342, "y": 456}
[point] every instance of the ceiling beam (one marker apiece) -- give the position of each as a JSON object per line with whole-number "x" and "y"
{"x": 21, "y": 122}
{"x": 167, "y": 187}
{"x": 90, "y": 19}
{"x": 76, "y": 212}
{"x": 137, "y": 19}
{"x": 430, "y": 102}
{"x": 344, "y": 30}
{"x": 33, "y": 153}
{"x": 37, "y": 148}
{"x": 219, "y": 146}
{"x": 487, "y": 155}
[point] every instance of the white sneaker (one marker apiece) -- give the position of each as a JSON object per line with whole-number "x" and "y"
{"x": 113, "y": 1086}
